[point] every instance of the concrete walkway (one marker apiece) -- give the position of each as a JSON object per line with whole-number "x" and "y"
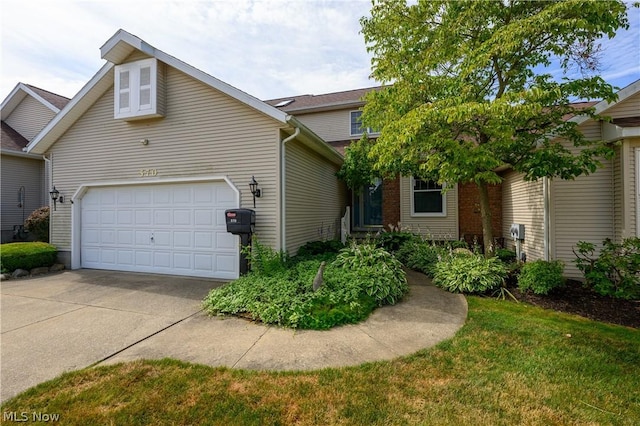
{"x": 75, "y": 319}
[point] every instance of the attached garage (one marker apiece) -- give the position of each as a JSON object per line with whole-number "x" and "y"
{"x": 175, "y": 228}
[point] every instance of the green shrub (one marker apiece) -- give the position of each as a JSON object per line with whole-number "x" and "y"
{"x": 392, "y": 241}
{"x": 313, "y": 248}
{"x": 469, "y": 274}
{"x": 26, "y": 256}
{"x": 379, "y": 274}
{"x": 38, "y": 224}
{"x": 505, "y": 255}
{"x": 421, "y": 256}
{"x": 362, "y": 278}
{"x": 541, "y": 276}
{"x": 615, "y": 271}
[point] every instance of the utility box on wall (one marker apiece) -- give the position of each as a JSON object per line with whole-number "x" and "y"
{"x": 517, "y": 231}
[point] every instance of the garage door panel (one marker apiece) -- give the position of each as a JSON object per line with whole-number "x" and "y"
{"x": 182, "y": 239}
{"x": 203, "y": 240}
{"x": 107, "y": 197}
{"x": 225, "y": 196}
{"x": 125, "y": 237}
{"x": 226, "y": 263}
{"x": 225, "y": 240}
{"x": 203, "y": 217}
{"x": 125, "y": 217}
{"x": 203, "y": 262}
{"x": 164, "y": 228}
{"x": 144, "y": 258}
{"x": 182, "y": 261}
{"x": 162, "y": 217}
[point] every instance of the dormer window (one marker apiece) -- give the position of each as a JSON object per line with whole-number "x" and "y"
{"x": 138, "y": 91}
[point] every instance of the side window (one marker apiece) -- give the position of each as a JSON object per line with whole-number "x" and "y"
{"x": 427, "y": 198}
{"x": 356, "y": 124}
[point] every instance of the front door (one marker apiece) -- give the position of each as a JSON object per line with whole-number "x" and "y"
{"x": 367, "y": 206}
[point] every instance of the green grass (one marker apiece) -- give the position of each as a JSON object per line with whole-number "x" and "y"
{"x": 510, "y": 364}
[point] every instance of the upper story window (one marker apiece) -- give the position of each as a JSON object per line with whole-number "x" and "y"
{"x": 427, "y": 198}
{"x": 356, "y": 124}
{"x": 137, "y": 90}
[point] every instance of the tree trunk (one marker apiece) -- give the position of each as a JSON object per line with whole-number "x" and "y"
{"x": 485, "y": 213}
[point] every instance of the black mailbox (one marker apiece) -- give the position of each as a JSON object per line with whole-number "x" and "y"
{"x": 240, "y": 221}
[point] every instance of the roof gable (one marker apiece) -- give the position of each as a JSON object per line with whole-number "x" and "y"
{"x": 120, "y": 46}
{"x": 11, "y": 140}
{"x": 50, "y": 100}
{"x": 602, "y": 106}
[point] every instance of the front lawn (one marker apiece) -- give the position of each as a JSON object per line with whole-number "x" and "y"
{"x": 510, "y": 364}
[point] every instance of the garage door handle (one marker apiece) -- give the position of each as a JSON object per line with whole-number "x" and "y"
{"x": 151, "y": 237}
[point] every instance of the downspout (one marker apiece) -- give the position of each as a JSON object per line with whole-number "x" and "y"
{"x": 546, "y": 218}
{"x": 283, "y": 232}
{"x": 48, "y": 165}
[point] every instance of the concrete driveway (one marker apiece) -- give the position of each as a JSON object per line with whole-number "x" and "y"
{"x": 70, "y": 320}
{"x": 75, "y": 319}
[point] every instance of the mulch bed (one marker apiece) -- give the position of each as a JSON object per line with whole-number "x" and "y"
{"x": 576, "y": 299}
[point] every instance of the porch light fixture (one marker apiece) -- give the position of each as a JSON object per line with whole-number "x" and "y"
{"x": 55, "y": 196}
{"x": 253, "y": 186}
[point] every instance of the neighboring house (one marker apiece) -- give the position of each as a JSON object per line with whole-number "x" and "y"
{"x": 25, "y": 112}
{"x": 406, "y": 202}
{"x": 559, "y": 213}
{"x": 152, "y": 151}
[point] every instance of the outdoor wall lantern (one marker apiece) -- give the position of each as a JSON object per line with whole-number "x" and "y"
{"x": 253, "y": 185}
{"x": 55, "y": 196}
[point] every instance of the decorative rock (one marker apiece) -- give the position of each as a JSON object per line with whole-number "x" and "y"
{"x": 318, "y": 280}
{"x": 39, "y": 271}
{"x": 56, "y": 267}
{"x": 4, "y": 277}
{"x": 19, "y": 273}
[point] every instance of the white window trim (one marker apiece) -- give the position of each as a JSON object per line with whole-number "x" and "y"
{"x": 135, "y": 110}
{"x": 368, "y": 129}
{"x": 413, "y": 212}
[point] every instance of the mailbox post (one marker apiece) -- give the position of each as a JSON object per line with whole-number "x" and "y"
{"x": 241, "y": 222}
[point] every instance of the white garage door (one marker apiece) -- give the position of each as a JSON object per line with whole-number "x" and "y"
{"x": 176, "y": 229}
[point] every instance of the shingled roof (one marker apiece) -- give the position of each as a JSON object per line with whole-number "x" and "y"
{"x": 57, "y": 101}
{"x": 12, "y": 140}
{"x": 312, "y": 103}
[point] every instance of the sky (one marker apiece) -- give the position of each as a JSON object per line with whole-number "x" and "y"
{"x": 267, "y": 48}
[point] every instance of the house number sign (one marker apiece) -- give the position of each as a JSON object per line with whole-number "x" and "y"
{"x": 148, "y": 172}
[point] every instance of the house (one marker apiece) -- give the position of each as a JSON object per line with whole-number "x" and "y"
{"x": 556, "y": 214}
{"x": 25, "y": 111}
{"x": 407, "y": 202}
{"x": 152, "y": 151}
{"x": 606, "y": 204}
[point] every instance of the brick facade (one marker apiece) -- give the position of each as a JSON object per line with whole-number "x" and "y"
{"x": 390, "y": 202}
{"x": 469, "y": 219}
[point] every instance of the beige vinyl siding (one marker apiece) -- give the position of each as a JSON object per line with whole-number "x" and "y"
{"x": 204, "y": 133}
{"x": 618, "y": 194}
{"x": 330, "y": 125}
{"x": 582, "y": 209}
{"x": 437, "y": 228}
{"x": 315, "y": 198}
{"x": 17, "y": 172}
{"x": 523, "y": 202}
{"x": 627, "y": 108}
{"x": 630, "y": 194}
{"x": 29, "y": 117}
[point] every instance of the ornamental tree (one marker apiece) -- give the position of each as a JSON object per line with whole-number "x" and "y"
{"x": 468, "y": 92}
